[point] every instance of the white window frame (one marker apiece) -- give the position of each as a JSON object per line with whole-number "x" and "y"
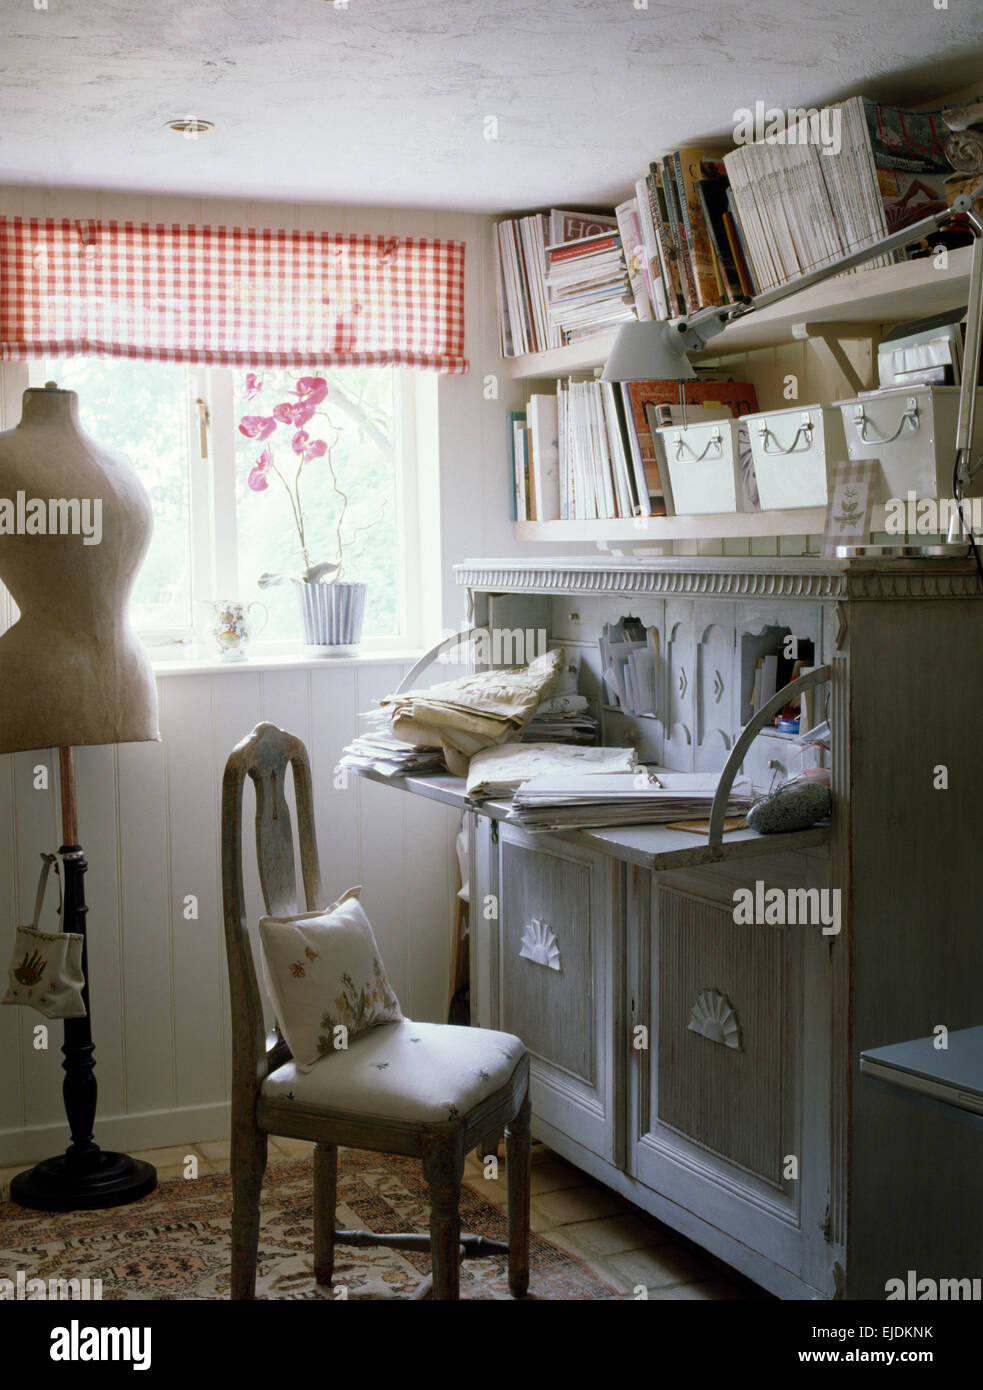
{"x": 212, "y": 499}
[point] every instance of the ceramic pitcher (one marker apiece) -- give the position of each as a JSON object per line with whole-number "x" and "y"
{"x": 232, "y": 627}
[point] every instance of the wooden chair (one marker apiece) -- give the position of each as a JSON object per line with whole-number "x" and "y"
{"x": 376, "y": 1118}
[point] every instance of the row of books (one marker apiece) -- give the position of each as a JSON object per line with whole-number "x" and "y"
{"x": 588, "y": 452}
{"x": 702, "y": 230}
{"x": 682, "y": 237}
{"x": 559, "y": 277}
{"x": 838, "y": 181}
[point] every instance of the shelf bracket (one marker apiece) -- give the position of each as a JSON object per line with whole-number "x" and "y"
{"x": 832, "y": 334}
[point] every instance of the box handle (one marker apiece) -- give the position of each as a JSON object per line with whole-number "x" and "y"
{"x": 715, "y": 439}
{"x": 805, "y": 428}
{"x": 910, "y": 418}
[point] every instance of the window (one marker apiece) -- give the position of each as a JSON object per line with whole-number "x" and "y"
{"x": 214, "y": 533}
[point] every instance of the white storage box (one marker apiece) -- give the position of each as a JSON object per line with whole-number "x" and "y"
{"x": 912, "y": 430}
{"x": 791, "y": 449}
{"x": 704, "y": 466}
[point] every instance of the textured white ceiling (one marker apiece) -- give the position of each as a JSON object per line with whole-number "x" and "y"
{"x": 387, "y": 101}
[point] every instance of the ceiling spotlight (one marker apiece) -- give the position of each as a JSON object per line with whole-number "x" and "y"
{"x": 190, "y": 127}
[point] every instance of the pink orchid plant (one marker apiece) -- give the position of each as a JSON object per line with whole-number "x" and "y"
{"x": 310, "y": 392}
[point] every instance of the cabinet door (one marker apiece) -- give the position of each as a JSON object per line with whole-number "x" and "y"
{"x": 730, "y": 1113}
{"x": 555, "y": 932}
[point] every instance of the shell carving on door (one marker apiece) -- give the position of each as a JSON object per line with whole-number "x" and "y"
{"x": 539, "y": 945}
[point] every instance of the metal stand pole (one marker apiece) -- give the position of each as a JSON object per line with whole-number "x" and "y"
{"x": 84, "y": 1177}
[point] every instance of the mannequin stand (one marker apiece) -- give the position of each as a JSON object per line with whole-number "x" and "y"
{"x": 84, "y": 1177}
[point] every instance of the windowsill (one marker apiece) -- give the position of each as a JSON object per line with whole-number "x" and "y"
{"x": 166, "y": 663}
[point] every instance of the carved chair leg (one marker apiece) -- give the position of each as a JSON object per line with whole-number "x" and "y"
{"x": 248, "y": 1164}
{"x": 489, "y": 1145}
{"x": 443, "y": 1165}
{"x": 518, "y": 1169}
{"x": 325, "y": 1200}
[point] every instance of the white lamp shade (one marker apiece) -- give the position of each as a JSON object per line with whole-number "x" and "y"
{"x": 648, "y": 351}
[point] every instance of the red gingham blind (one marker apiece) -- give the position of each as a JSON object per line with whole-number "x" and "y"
{"x": 229, "y": 296}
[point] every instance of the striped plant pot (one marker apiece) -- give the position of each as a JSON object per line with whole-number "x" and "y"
{"x": 332, "y": 615}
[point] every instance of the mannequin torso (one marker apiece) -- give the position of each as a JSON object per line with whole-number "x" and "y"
{"x": 71, "y": 669}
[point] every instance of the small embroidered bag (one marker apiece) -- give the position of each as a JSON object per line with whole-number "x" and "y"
{"x": 46, "y": 971}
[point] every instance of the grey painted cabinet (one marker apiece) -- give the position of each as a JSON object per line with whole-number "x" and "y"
{"x": 705, "y": 1067}
{"x": 553, "y": 947}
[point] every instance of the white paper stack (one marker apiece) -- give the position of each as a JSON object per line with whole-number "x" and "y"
{"x": 563, "y": 719}
{"x": 498, "y": 771}
{"x": 390, "y": 757}
{"x": 564, "y": 801}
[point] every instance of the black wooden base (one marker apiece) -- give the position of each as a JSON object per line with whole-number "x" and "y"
{"x": 111, "y": 1180}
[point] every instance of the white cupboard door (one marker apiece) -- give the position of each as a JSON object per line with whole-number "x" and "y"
{"x": 555, "y": 979}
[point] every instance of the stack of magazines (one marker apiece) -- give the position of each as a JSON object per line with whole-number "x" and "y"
{"x": 572, "y": 801}
{"x": 380, "y": 752}
{"x": 559, "y": 277}
{"x": 588, "y": 287}
{"x": 836, "y": 182}
{"x": 563, "y": 719}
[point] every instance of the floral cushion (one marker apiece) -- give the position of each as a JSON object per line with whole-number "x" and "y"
{"x": 406, "y": 1072}
{"x": 325, "y": 978}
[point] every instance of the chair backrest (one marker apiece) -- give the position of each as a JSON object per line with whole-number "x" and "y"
{"x": 264, "y": 757}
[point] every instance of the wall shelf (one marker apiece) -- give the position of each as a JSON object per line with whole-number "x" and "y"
{"x": 890, "y": 294}
{"x": 797, "y": 521}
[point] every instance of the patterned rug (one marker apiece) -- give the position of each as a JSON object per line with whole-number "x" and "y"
{"x": 175, "y": 1243}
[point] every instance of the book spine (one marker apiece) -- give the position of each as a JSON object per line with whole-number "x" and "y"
{"x": 513, "y": 419}
{"x": 667, "y": 247}
{"x": 634, "y": 252}
{"x": 678, "y": 235}
{"x": 733, "y": 233}
{"x": 653, "y": 265}
{"x": 721, "y": 254}
{"x": 687, "y": 164}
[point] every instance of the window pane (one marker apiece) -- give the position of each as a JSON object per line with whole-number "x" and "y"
{"x": 140, "y": 409}
{"x": 354, "y": 421}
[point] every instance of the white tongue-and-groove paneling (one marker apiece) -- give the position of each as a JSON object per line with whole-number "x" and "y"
{"x": 149, "y": 824}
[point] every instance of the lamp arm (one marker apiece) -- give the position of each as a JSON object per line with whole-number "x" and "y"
{"x": 696, "y": 330}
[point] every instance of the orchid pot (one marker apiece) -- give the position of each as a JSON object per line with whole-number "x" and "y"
{"x": 332, "y": 614}
{"x": 332, "y": 609}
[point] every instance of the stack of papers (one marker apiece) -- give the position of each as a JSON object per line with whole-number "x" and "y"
{"x": 561, "y": 728}
{"x": 498, "y": 771}
{"x": 563, "y": 719}
{"x": 390, "y": 757}
{"x": 630, "y": 665}
{"x": 563, "y": 801}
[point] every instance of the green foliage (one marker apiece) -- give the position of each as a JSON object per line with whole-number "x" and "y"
{"x": 140, "y": 409}
{"x": 359, "y": 406}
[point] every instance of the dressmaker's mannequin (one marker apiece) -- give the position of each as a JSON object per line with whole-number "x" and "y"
{"x": 72, "y": 672}
{"x": 71, "y": 669}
